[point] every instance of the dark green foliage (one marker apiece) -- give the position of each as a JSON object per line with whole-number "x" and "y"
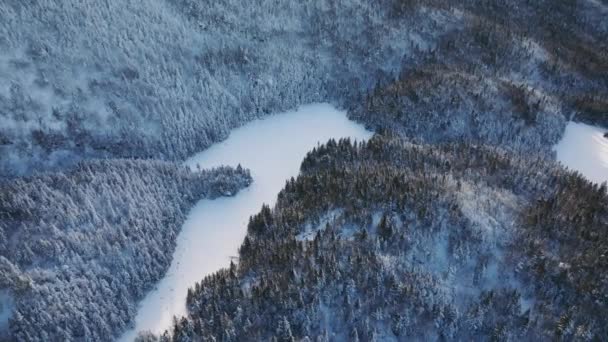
{"x": 566, "y": 253}
{"x": 592, "y": 110}
{"x": 508, "y": 73}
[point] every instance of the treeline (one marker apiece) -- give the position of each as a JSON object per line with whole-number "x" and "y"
{"x": 165, "y": 80}
{"x": 389, "y": 240}
{"x": 434, "y": 104}
{"x": 79, "y": 249}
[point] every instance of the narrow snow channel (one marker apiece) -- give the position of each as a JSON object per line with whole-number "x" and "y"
{"x": 272, "y": 149}
{"x": 585, "y": 149}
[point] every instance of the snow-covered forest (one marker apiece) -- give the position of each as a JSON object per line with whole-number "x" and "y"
{"x": 79, "y": 249}
{"x": 453, "y": 223}
{"x": 449, "y": 242}
{"x": 165, "y": 79}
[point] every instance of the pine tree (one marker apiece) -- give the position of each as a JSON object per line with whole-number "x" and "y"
{"x": 385, "y": 228}
{"x": 284, "y": 331}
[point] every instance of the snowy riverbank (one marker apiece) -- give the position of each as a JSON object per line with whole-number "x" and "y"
{"x": 585, "y": 149}
{"x": 272, "y": 149}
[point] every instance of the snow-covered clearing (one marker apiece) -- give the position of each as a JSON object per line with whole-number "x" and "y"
{"x": 272, "y": 149}
{"x": 585, "y": 149}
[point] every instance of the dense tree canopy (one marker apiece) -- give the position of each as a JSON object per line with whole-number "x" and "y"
{"x": 389, "y": 240}
{"x": 168, "y": 78}
{"x": 79, "y": 249}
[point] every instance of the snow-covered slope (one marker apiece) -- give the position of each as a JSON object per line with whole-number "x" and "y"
{"x": 454, "y": 242}
{"x": 166, "y": 79}
{"x": 79, "y": 249}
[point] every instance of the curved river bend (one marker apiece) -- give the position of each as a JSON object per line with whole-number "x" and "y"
{"x": 272, "y": 149}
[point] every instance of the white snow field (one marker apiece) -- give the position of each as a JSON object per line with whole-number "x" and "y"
{"x": 272, "y": 149}
{"x": 585, "y": 149}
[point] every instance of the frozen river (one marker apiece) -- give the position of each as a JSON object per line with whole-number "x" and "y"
{"x": 585, "y": 149}
{"x": 272, "y": 149}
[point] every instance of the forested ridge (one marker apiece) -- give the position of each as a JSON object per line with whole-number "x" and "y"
{"x": 509, "y": 75}
{"x": 389, "y": 240}
{"x": 79, "y": 249}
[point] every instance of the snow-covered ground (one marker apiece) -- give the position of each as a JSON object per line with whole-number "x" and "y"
{"x": 272, "y": 149}
{"x": 585, "y": 149}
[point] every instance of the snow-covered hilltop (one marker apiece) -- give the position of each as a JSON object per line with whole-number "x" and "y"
{"x": 452, "y": 242}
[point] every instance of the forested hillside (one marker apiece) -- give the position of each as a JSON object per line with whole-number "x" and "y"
{"x": 389, "y": 240}
{"x": 166, "y": 79}
{"x": 79, "y": 249}
{"x": 509, "y": 75}
{"x": 453, "y": 223}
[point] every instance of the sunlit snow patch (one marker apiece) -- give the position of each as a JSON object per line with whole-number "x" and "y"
{"x": 585, "y": 149}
